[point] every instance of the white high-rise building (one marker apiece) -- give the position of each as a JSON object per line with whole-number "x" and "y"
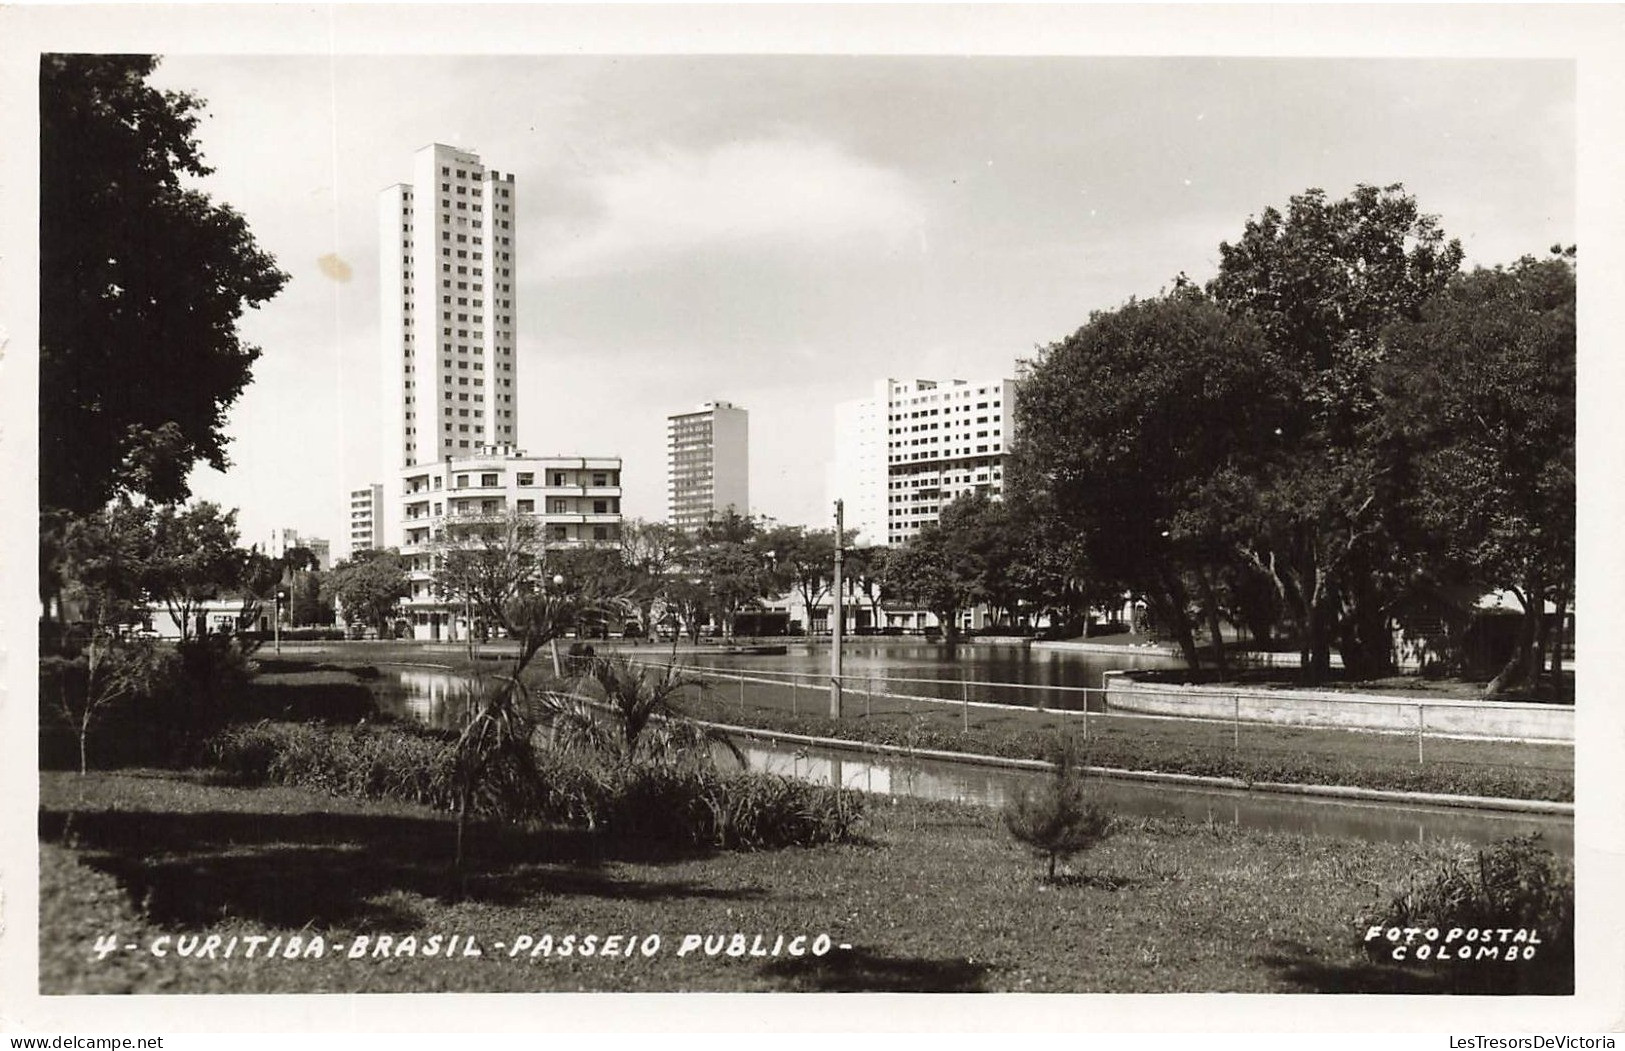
{"x": 914, "y": 446}
{"x": 448, "y": 318}
{"x": 707, "y": 464}
{"x": 446, "y": 281}
{"x": 366, "y": 518}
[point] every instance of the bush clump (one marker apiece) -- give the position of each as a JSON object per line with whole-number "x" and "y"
{"x": 370, "y": 761}
{"x": 744, "y": 811}
{"x": 1517, "y": 884}
{"x": 685, "y": 804}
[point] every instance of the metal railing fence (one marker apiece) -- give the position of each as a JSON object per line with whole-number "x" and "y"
{"x": 917, "y": 706}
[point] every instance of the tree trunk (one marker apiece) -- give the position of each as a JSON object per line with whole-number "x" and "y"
{"x": 1516, "y": 672}
{"x": 1210, "y": 602}
{"x": 1559, "y": 633}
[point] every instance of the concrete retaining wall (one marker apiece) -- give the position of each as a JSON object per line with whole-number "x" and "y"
{"x": 1543, "y": 722}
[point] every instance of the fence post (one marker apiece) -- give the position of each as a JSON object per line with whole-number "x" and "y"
{"x": 1235, "y": 724}
{"x": 1085, "y": 716}
{"x": 1420, "y": 719}
{"x": 868, "y": 693}
{"x": 795, "y": 696}
{"x": 964, "y": 704}
{"x": 741, "y": 695}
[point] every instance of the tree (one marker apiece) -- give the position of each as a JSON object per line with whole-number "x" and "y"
{"x": 1123, "y": 429}
{"x": 865, "y": 571}
{"x": 1479, "y": 396}
{"x": 1321, "y": 283}
{"x": 928, "y": 570}
{"x": 105, "y": 559}
{"x": 110, "y": 670}
{"x": 502, "y": 568}
{"x": 368, "y": 586}
{"x": 142, "y": 281}
{"x": 1050, "y": 569}
{"x": 733, "y": 575}
{"x": 306, "y": 603}
{"x": 801, "y": 560}
{"x": 651, "y": 552}
{"x": 1060, "y": 820}
{"x": 194, "y": 558}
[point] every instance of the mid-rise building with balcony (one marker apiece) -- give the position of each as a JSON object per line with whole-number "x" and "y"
{"x": 573, "y": 501}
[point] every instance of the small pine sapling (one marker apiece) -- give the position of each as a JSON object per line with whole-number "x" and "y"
{"x": 1059, "y": 820}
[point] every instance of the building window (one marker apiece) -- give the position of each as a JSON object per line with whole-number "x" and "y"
{"x": 527, "y": 507}
{"x": 488, "y": 479}
{"x": 527, "y": 478}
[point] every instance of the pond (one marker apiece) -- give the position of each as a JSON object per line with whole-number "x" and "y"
{"x": 435, "y": 698}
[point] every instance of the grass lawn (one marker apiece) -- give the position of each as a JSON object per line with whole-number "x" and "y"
{"x": 938, "y": 898}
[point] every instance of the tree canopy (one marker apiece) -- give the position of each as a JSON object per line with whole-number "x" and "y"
{"x": 368, "y": 586}
{"x": 142, "y": 282}
{"x": 1479, "y": 393}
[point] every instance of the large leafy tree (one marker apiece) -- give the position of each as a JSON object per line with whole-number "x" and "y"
{"x": 1123, "y": 428}
{"x": 1479, "y": 394}
{"x": 1321, "y": 282}
{"x": 932, "y": 569}
{"x": 368, "y": 586}
{"x": 802, "y": 560}
{"x": 142, "y": 282}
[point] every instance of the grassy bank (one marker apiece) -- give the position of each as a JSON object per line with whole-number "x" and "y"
{"x": 1160, "y": 907}
{"x": 1257, "y": 753}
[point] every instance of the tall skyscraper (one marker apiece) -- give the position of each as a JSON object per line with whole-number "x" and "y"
{"x": 915, "y": 446}
{"x": 446, "y": 281}
{"x": 448, "y": 321}
{"x": 707, "y": 464}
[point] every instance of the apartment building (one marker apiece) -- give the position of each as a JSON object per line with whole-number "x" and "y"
{"x": 575, "y": 501}
{"x": 908, "y": 450}
{"x": 707, "y": 464}
{"x": 449, "y": 319}
{"x": 366, "y": 518}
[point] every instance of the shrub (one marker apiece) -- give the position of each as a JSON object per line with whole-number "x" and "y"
{"x": 1060, "y": 820}
{"x": 747, "y": 811}
{"x": 372, "y": 761}
{"x": 1517, "y": 884}
{"x": 689, "y": 805}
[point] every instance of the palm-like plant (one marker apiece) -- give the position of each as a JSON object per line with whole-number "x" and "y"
{"x": 636, "y": 716}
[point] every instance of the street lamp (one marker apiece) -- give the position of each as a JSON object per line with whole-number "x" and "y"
{"x": 838, "y": 614}
{"x": 276, "y": 621}
{"x": 553, "y": 643}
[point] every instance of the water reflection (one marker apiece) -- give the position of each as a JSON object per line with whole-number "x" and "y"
{"x": 878, "y": 666}
{"x": 431, "y": 697}
{"x": 993, "y": 786}
{"x": 437, "y": 699}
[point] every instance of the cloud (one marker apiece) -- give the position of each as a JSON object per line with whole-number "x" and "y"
{"x": 769, "y": 194}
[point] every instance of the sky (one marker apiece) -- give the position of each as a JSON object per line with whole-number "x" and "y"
{"x": 781, "y": 231}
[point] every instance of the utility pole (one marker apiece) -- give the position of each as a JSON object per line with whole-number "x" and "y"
{"x": 837, "y": 615}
